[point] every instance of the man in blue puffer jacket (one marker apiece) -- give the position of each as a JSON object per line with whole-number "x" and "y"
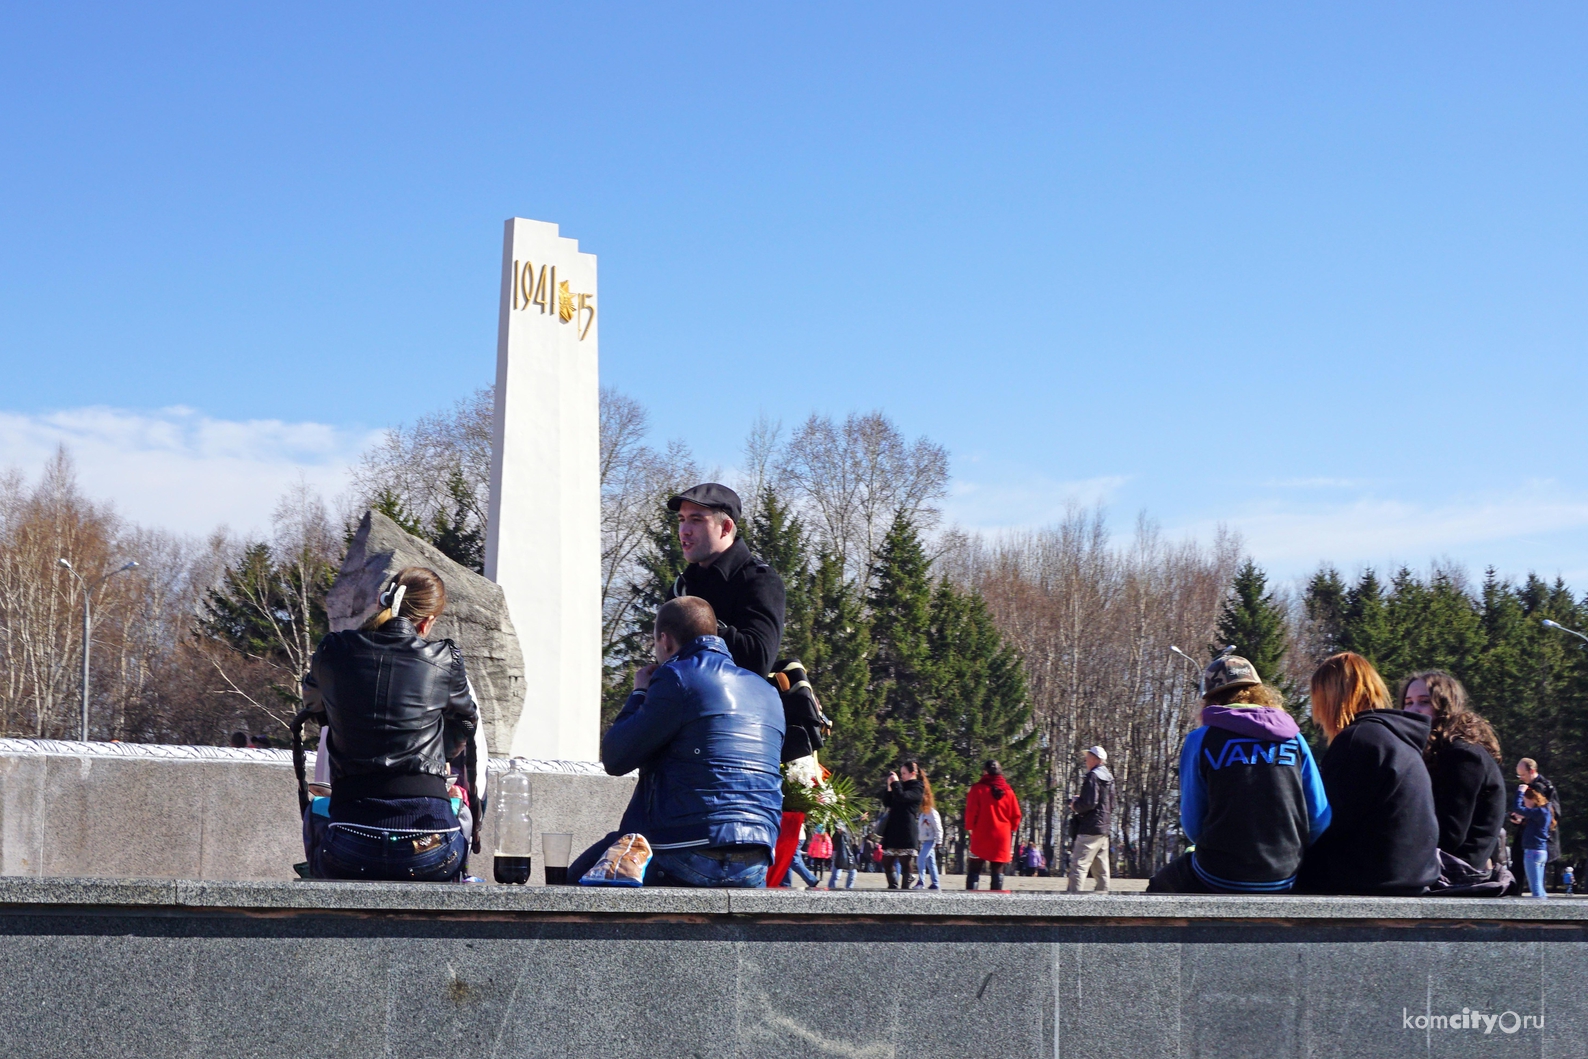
{"x": 707, "y": 738}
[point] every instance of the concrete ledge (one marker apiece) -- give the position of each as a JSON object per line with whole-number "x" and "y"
{"x": 443, "y": 899}
{"x": 70, "y": 809}
{"x": 222, "y": 969}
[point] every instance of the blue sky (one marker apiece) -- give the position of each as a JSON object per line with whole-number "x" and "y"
{"x": 1313, "y": 272}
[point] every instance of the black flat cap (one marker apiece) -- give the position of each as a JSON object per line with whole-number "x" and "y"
{"x": 712, "y": 495}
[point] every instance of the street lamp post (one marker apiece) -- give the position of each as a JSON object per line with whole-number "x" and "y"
{"x": 1198, "y": 665}
{"x": 88, "y": 594}
{"x": 1557, "y": 625}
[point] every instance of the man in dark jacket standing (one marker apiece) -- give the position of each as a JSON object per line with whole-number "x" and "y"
{"x": 707, "y": 738}
{"x": 901, "y": 834}
{"x": 746, "y": 593}
{"x": 1094, "y": 816}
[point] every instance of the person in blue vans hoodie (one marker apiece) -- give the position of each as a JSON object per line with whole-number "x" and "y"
{"x": 1251, "y": 798}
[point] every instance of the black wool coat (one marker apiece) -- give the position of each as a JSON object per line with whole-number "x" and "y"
{"x": 1469, "y": 802}
{"x": 902, "y": 829}
{"x": 748, "y": 596}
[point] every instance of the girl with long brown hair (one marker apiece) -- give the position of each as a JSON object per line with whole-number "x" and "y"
{"x": 931, "y": 833}
{"x": 1383, "y": 836}
{"x": 1463, "y": 758}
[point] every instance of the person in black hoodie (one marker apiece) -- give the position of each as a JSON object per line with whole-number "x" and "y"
{"x": 1383, "y": 835}
{"x": 901, "y": 832}
{"x": 1463, "y": 758}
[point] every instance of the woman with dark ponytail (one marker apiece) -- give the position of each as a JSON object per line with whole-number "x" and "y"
{"x": 398, "y": 707}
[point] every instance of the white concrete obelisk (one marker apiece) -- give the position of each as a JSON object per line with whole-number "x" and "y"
{"x": 544, "y": 543}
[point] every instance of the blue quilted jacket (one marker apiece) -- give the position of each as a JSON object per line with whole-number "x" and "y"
{"x": 707, "y": 738}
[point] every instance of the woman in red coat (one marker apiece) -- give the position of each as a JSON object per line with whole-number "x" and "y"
{"x": 992, "y": 816}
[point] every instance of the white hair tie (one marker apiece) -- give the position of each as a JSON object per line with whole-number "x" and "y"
{"x": 392, "y": 598}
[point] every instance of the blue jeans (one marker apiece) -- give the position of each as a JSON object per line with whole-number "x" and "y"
{"x": 800, "y": 868}
{"x": 346, "y": 851}
{"x": 832, "y": 884}
{"x": 680, "y": 867}
{"x": 928, "y": 865}
{"x": 1533, "y": 861}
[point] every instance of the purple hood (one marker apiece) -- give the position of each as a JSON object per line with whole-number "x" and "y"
{"x": 1254, "y": 722}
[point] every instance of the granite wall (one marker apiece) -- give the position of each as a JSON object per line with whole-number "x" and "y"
{"x": 354, "y": 970}
{"x": 125, "y": 810}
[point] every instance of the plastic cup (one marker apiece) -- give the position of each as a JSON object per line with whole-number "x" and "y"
{"x": 556, "y": 848}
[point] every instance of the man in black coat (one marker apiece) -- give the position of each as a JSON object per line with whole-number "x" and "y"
{"x": 746, "y": 593}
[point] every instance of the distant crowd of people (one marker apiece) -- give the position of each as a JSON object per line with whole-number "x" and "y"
{"x": 1408, "y": 798}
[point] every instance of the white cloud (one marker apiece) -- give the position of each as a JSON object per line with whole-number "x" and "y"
{"x": 1314, "y": 483}
{"x": 1035, "y": 501}
{"x": 1291, "y": 525}
{"x": 182, "y": 470}
{"x": 1532, "y": 526}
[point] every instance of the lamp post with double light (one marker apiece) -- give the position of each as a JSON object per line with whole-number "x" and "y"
{"x": 88, "y": 599}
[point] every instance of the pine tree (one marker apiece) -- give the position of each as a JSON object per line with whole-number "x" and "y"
{"x": 388, "y": 503}
{"x": 661, "y": 561}
{"x": 837, "y": 654}
{"x": 949, "y": 691}
{"x": 1365, "y": 629}
{"x": 980, "y": 708}
{"x": 271, "y": 610}
{"x": 1325, "y": 605}
{"x": 1255, "y": 623}
{"x": 901, "y": 612}
{"x": 1433, "y": 625}
{"x": 776, "y": 536}
{"x": 453, "y": 535}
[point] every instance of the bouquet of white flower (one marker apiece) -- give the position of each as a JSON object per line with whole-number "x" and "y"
{"x": 810, "y": 788}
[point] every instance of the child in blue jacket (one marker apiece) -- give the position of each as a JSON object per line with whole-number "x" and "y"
{"x": 1251, "y": 798}
{"x": 1532, "y": 811}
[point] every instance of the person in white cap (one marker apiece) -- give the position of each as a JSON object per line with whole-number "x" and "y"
{"x": 1094, "y": 816}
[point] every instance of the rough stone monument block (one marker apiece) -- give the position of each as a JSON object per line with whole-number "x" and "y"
{"x": 476, "y": 617}
{"x": 543, "y": 544}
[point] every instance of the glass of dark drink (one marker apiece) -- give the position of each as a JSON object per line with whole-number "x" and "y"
{"x": 556, "y": 849}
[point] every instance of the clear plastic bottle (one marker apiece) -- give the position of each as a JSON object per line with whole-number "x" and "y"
{"x": 511, "y": 801}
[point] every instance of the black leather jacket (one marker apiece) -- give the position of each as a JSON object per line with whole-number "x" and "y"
{"x": 398, "y": 707}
